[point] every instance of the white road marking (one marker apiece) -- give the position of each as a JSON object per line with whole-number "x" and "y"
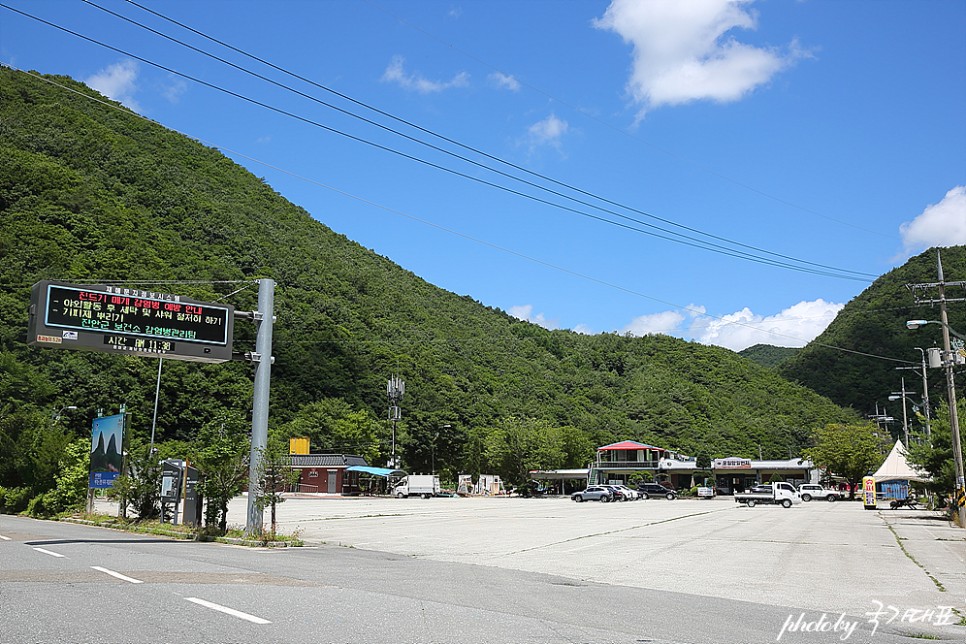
{"x": 4, "y": 538}
{"x": 48, "y": 552}
{"x": 118, "y": 575}
{"x": 228, "y": 611}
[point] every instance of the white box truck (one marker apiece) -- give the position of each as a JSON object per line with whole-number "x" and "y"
{"x": 424, "y": 485}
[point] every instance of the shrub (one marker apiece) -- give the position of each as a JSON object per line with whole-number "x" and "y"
{"x": 15, "y": 499}
{"x": 37, "y": 506}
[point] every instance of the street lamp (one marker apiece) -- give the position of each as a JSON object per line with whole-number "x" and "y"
{"x": 915, "y": 324}
{"x": 948, "y": 360}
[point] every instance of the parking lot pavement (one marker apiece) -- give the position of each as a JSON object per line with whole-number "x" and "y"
{"x": 816, "y": 556}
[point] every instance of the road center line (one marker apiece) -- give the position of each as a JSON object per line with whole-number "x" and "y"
{"x": 48, "y": 552}
{"x": 118, "y": 575}
{"x": 228, "y": 611}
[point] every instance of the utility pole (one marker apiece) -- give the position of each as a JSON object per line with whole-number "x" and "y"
{"x": 262, "y": 357}
{"x": 905, "y": 417}
{"x": 925, "y": 392}
{"x": 949, "y": 359}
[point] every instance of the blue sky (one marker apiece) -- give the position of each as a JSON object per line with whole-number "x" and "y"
{"x": 818, "y": 131}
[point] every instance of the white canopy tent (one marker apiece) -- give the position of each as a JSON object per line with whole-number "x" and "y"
{"x": 896, "y": 468}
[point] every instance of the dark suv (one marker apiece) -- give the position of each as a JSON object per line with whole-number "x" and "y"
{"x": 648, "y": 490}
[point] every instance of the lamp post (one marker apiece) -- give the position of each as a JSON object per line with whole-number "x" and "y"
{"x": 951, "y": 395}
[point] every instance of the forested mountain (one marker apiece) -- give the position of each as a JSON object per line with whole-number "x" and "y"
{"x": 872, "y": 327}
{"x": 768, "y": 355}
{"x": 91, "y": 193}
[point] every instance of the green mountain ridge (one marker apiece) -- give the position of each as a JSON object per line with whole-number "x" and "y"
{"x": 768, "y": 355}
{"x": 873, "y": 328}
{"x": 90, "y": 193}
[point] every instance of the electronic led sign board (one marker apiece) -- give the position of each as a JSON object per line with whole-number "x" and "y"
{"x": 131, "y": 321}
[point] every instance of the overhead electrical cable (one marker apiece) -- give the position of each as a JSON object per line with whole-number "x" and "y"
{"x": 676, "y": 238}
{"x": 585, "y": 114}
{"x": 443, "y": 138}
{"x": 425, "y": 222}
{"x": 448, "y": 140}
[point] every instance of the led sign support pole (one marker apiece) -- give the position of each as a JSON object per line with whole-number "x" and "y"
{"x": 154, "y": 419}
{"x": 263, "y": 373}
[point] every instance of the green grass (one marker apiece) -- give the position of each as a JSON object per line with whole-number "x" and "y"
{"x": 234, "y": 535}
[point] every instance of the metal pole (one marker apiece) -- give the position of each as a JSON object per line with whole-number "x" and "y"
{"x": 951, "y": 389}
{"x": 265, "y": 317}
{"x": 905, "y": 418}
{"x": 925, "y": 395}
{"x": 154, "y": 419}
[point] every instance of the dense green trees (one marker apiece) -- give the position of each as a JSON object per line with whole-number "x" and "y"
{"x": 851, "y": 451}
{"x": 90, "y": 193}
{"x": 872, "y": 330}
{"x": 935, "y": 455}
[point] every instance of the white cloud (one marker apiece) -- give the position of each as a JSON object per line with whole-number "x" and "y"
{"x": 118, "y": 82}
{"x": 583, "y": 329}
{"x": 505, "y": 81}
{"x": 796, "y": 326}
{"x": 174, "y": 90}
{"x": 550, "y": 131}
{"x": 682, "y": 50}
{"x": 525, "y": 312}
{"x": 940, "y": 224}
{"x": 666, "y": 322}
{"x": 396, "y": 73}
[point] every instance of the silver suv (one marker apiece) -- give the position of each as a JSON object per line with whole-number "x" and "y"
{"x": 592, "y": 493}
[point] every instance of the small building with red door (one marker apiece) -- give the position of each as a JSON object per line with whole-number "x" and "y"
{"x": 327, "y": 473}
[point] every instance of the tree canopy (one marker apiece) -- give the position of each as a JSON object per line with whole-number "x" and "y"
{"x": 92, "y": 193}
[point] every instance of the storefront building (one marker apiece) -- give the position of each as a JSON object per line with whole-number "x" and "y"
{"x": 738, "y": 474}
{"x": 619, "y": 462}
{"x": 327, "y": 473}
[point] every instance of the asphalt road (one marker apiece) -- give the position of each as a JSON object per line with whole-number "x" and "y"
{"x": 367, "y": 593}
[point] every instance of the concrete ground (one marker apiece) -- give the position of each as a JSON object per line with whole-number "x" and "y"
{"x": 819, "y": 556}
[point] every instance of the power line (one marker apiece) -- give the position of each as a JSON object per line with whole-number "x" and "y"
{"x": 557, "y": 99}
{"x": 463, "y": 235}
{"x": 440, "y": 136}
{"x": 675, "y": 237}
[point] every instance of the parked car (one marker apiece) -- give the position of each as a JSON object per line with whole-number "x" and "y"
{"x": 809, "y": 491}
{"x": 615, "y": 492}
{"x": 760, "y": 489}
{"x": 647, "y": 490}
{"x": 593, "y": 493}
{"x": 629, "y": 494}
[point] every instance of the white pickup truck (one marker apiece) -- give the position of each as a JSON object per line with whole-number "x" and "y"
{"x": 809, "y": 491}
{"x": 783, "y": 494}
